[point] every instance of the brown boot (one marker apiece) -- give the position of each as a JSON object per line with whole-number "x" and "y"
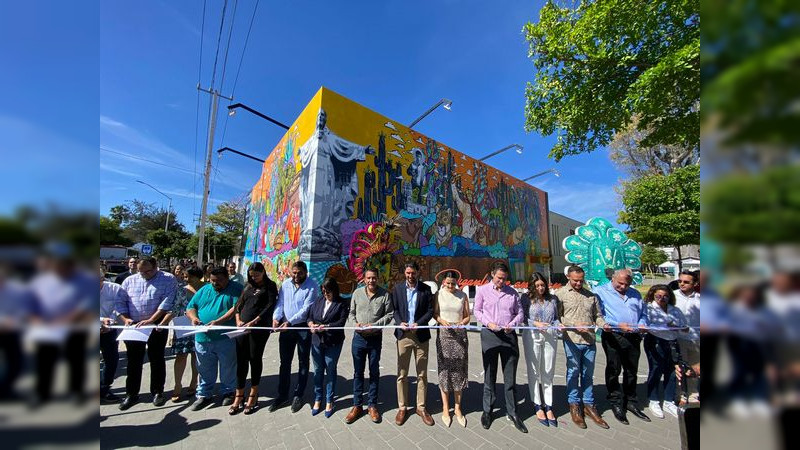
{"x": 591, "y": 411}
{"x": 577, "y": 416}
{"x": 354, "y": 414}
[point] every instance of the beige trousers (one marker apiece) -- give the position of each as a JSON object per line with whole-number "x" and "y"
{"x": 407, "y": 345}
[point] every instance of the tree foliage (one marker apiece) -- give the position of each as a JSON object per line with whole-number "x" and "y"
{"x": 137, "y": 218}
{"x": 112, "y": 233}
{"x": 635, "y": 159}
{"x": 603, "y": 62}
{"x": 170, "y": 244}
{"x": 663, "y": 210}
{"x": 761, "y": 208}
{"x": 652, "y": 257}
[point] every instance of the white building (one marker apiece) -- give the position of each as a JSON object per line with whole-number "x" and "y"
{"x": 560, "y": 227}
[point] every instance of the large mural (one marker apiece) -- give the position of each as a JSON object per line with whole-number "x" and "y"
{"x": 347, "y": 187}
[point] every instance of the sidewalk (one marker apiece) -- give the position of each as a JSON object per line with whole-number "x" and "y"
{"x": 175, "y": 426}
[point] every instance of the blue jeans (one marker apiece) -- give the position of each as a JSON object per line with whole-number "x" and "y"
{"x": 580, "y": 364}
{"x": 325, "y": 359}
{"x": 662, "y": 368}
{"x": 212, "y": 356}
{"x": 362, "y": 349}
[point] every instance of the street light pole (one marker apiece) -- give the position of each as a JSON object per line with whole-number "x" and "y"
{"x": 443, "y": 102}
{"x": 228, "y": 149}
{"x": 519, "y": 150}
{"x": 544, "y": 172}
{"x": 232, "y": 112}
{"x": 169, "y": 208}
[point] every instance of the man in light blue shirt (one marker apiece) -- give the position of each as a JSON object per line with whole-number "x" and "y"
{"x": 294, "y": 300}
{"x": 624, "y": 310}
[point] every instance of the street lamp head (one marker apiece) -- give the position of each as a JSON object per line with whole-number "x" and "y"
{"x": 556, "y": 173}
{"x": 447, "y": 104}
{"x": 231, "y": 112}
{"x": 519, "y": 148}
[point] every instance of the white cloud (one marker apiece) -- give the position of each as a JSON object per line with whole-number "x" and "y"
{"x": 118, "y": 171}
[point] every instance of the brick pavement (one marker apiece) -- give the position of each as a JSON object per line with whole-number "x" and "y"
{"x": 175, "y": 426}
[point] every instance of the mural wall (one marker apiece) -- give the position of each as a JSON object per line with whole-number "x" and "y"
{"x": 393, "y": 193}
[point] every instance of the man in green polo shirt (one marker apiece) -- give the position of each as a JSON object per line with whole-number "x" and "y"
{"x": 213, "y": 305}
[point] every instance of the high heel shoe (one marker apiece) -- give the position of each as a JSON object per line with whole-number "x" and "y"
{"x": 250, "y": 409}
{"x": 554, "y": 421}
{"x": 536, "y": 409}
{"x": 315, "y": 411}
{"x": 236, "y": 407}
{"x": 328, "y": 413}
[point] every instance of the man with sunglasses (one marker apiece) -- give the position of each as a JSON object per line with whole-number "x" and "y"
{"x": 687, "y": 299}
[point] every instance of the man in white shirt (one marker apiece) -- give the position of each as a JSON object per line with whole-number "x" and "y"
{"x": 687, "y": 299}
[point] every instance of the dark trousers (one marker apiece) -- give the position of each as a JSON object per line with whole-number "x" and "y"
{"x": 47, "y": 356}
{"x": 249, "y": 355}
{"x": 364, "y": 348}
{"x": 505, "y": 346}
{"x": 287, "y": 342}
{"x": 622, "y": 355}
{"x": 11, "y": 355}
{"x": 158, "y": 366}
{"x": 662, "y": 368}
{"x": 709, "y": 354}
{"x": 109, "y": 348}
{"x": 749, "y": 366}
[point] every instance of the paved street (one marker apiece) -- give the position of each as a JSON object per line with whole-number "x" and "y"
{"x": 175, "y": 426}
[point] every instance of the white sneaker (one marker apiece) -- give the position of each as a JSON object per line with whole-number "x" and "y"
{"x": 655, "y": 408}
{"x": 671, "y": 408}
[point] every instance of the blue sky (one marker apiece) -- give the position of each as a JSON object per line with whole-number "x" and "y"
{"x": 397, "y": 58}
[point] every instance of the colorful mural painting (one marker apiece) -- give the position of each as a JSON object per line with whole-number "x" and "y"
{"x": 598, "y": 246}
{"x": 347, "y": 187}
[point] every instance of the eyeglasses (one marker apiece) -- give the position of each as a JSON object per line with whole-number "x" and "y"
{"x": 685, "y": 282}
{"x": 660, "y": 297}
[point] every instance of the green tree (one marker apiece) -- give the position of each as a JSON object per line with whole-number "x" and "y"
{"x": 224, "y": 237}
{"x": 112, "y": 233}
{"x": 603, "y": 62}
{"x": 171, "y": 244}
{"x": 663, "y": 210}
{"x": 137, "y": 218}
{"x": 652, "y": 257}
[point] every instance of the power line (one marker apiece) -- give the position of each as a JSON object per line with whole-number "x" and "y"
{"x": 228, "y": 47}
{"x": 219, "y": 40}
{"x": 239, "y": 68}
{"x": 105, "y": 149}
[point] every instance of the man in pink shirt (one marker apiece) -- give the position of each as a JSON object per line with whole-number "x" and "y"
{"x": 498, "y": 308}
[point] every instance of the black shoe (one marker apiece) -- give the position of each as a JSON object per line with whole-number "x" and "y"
{"x": 638, "y": 413}
{"x": 619, "y": 413}
{"x": 109, "y": 397}
{"x": 517, "y": 423}
{"x": 277, "y": 404}
{"x": 201, "y": 403}
{"x": 159, "y": 399}
{"x": 129, "y": 401}
{"x": 227, "y": 399}
{"x": 297, "y": 404}
{"x": 486, "y": 420}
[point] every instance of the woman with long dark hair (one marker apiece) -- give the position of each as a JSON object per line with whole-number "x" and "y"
{"x": 541, "y": 310}
{"x": 254, "y": 308}
{"x": 661, "y": 347}
{"x": 329, "y": 310}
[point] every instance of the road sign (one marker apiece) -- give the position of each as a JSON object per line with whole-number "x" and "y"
{"x": 147, "y": 249}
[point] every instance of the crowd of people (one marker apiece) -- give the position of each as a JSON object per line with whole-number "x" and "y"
{"x": 308, "y": 319}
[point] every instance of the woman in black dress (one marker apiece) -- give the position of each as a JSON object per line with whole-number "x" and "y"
{"x": 254, "y": 308}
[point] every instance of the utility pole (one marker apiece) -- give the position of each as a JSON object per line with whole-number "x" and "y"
{"x": 212, "y": 124}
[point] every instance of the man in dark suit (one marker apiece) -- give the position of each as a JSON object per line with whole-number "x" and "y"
{"x": 413, "y": 306}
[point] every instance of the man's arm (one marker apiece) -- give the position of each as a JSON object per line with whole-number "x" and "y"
{"x": 388, "y": 313}
{"x": 519, "y": 316}
{"x": 278, "y": 314}
{"x": 225, "y": 317}
{"x": 477, "y": 308}
{"x": 599, "y": 318}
